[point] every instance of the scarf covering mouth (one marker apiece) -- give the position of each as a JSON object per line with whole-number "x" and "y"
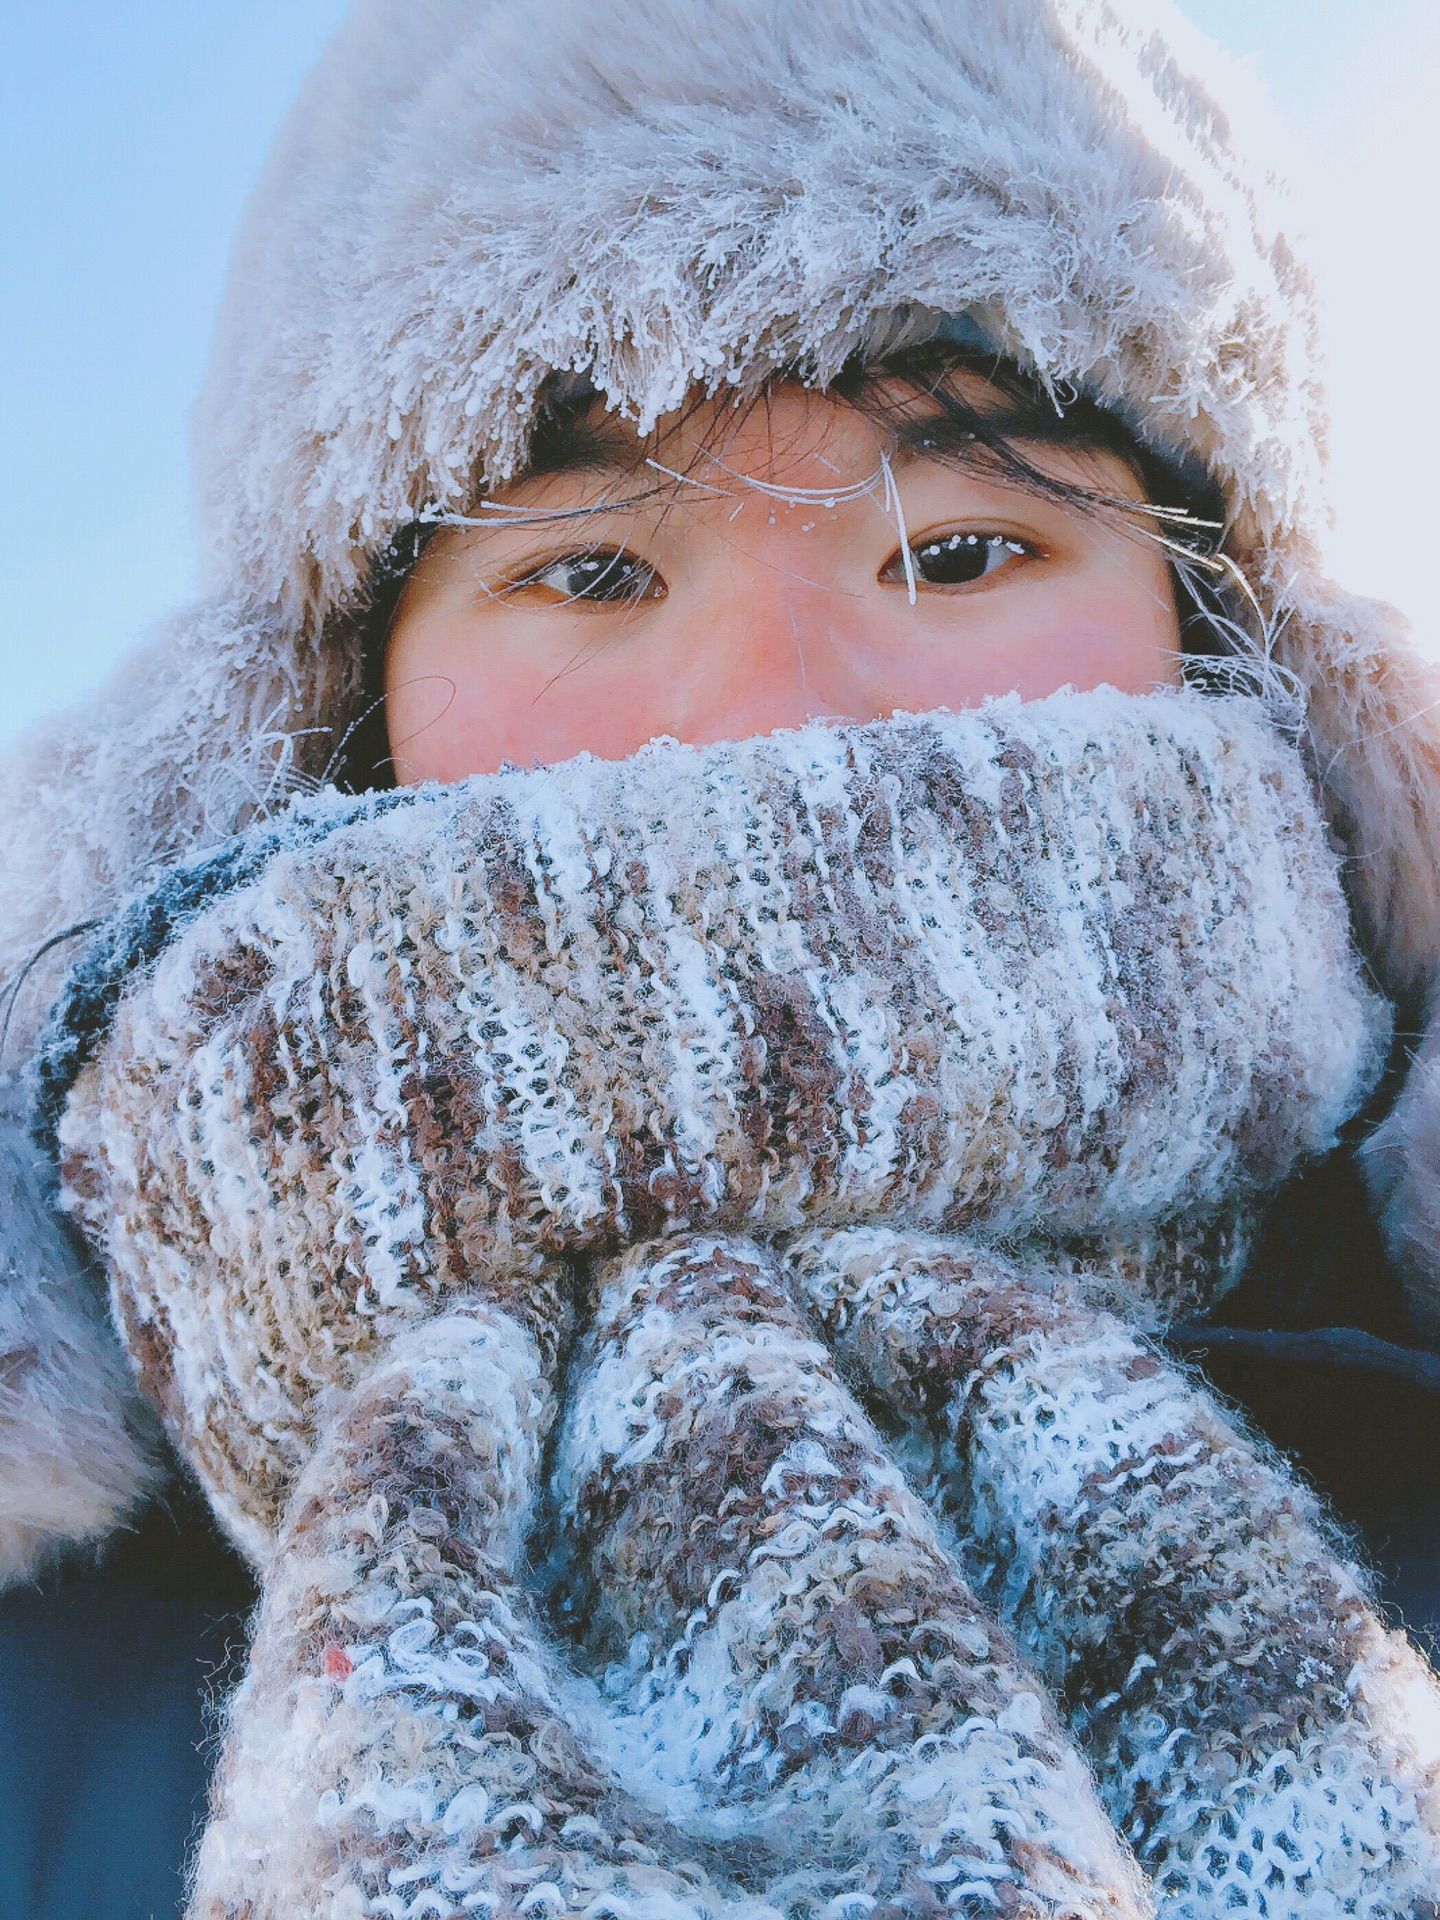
{"x": 966, "y": 1040}
{"x": 1074, "y": 970}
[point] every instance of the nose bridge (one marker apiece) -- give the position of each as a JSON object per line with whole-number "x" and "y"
{"x": 781, "y": 626}
{"x": 786, "y": 610}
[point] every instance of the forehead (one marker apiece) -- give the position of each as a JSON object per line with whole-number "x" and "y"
{"x": 708, "y": 429}
{"x": 807, "y": 439}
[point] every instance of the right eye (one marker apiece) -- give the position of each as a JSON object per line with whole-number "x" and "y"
{"x": 598, "y": 576}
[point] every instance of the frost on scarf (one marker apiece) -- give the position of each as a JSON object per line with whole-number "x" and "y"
{"x": 964, "y": 1046}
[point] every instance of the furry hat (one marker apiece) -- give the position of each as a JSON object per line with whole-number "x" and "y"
{"x": 471, "y": 197}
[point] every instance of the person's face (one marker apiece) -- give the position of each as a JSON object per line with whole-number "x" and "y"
{"x": 767, "y": 589}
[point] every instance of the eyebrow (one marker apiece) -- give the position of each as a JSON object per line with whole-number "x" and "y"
{"x": 577, "y": 446}
{"x": 943, "y": 433}
{"x": 987, "y": 439}
{"x": 564, "y": 444}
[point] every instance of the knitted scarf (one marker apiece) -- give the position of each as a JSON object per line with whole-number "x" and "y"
{"x": 547, "y": 1165}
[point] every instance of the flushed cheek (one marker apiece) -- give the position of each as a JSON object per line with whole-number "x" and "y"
{"x": 1085, "y": 655}
{"x": 526, "y": 720}
{"x": 919, "y": 658}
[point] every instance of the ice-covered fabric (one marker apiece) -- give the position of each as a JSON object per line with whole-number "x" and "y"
{"x": 1076, "y": 968}
{"x": 1263, "y": 1743}
{"x": 975, "y": 1037}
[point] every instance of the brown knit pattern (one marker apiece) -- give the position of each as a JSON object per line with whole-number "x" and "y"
{"x": 1071, "y": 975}
{"x": 1257, "y": 1733}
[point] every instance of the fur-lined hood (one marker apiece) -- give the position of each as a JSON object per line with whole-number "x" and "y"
{"x": 471, "y": 195}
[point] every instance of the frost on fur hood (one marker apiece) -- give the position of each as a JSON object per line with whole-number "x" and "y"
{"x": 469, "y": 197}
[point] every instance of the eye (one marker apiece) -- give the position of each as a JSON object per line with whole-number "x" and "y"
{"x": 957, "y": 559}
{"x": 598, "y": 576}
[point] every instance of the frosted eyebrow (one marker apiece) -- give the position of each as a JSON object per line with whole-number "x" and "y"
{"x": 999, "y": 442}
{"x": 940, "y": 434}
{"x": 564, "y": 445}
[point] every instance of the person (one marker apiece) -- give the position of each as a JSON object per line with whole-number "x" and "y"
{"x": 571, "y": 398}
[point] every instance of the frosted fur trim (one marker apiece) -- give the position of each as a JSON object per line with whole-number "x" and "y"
{"x": 76, "y": 1444}
{"x": 486, "y": 193}
{"x": 193, "y": 738}
{"x": 1401, "y": 1161}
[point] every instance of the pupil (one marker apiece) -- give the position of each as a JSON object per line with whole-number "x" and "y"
{"x": 955, "y": 560}
{"x": 605, "y": 576}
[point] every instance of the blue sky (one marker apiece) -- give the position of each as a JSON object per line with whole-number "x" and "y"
{"x": 129, "y": 137}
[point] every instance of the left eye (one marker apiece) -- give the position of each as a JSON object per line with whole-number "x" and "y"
{"x": 596, "y": 575}
{"x": 956, "y": 559}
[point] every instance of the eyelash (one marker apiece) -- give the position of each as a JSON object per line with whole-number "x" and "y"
{"x": 615, "y": 577}
{"x": 622, "y": 578}
{"x": 956, "y": 552}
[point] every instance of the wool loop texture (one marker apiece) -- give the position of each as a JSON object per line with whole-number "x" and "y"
{"x": 748, "y": 1179}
